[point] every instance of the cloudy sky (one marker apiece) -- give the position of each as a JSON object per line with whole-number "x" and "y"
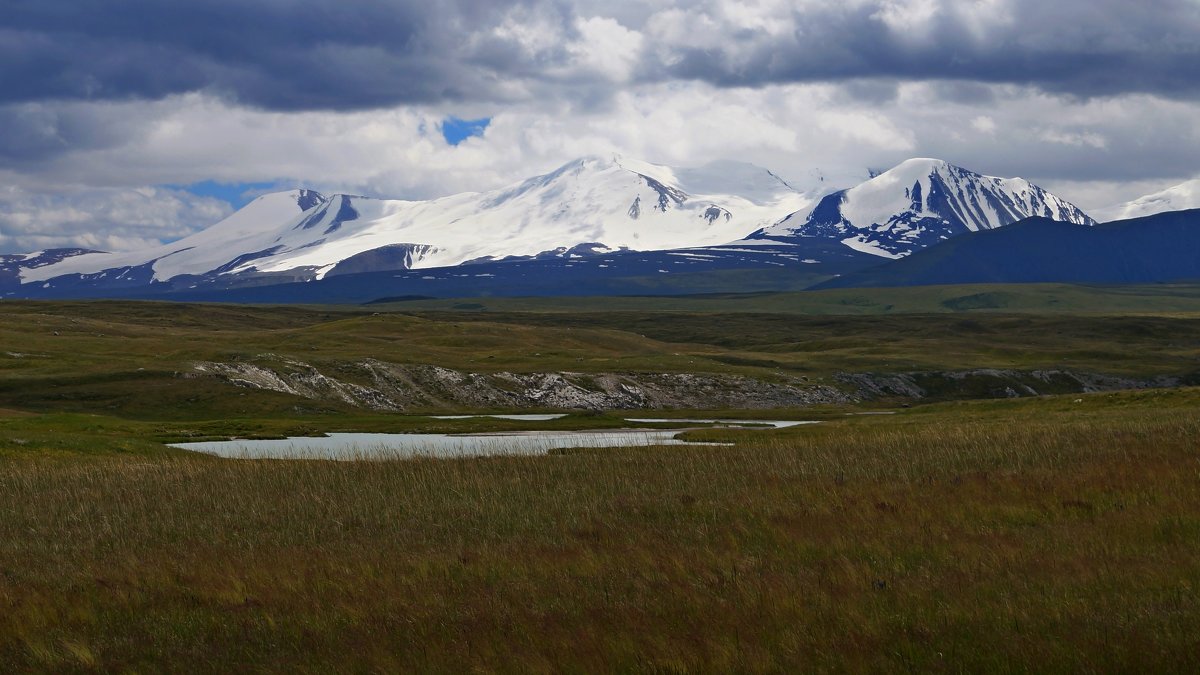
{"x": 123, "y": 124}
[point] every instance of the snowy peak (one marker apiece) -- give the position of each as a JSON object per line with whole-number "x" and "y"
{"x": 244, "y": 235}
{"x": 620, "y": 202}
{"x": 307, "y": 199}
{"x": 593, "y": 203}
{"x": 671, "y": 187}
{"x": 1178, "y": 198}
{"x": 285, "y": 201}
{"x": 328, "y": 215}
{"x": 919, "y": 203}
{"x": 265, "y": 211}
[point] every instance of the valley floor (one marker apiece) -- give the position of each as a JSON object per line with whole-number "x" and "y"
{"x": 1043, "y": 534}
{"x": 1046, "y": 533}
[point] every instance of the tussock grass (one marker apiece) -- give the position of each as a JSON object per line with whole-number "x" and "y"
{"x": 1040, "y": 535}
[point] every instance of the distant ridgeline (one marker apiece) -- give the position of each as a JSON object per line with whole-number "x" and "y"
{"x": 1159, "y": 248}
{"x": 618, "y": 226}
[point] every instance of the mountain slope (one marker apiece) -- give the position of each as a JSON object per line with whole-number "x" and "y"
{"x": 1178, "y": 198}
{"x": 246, "y": 233}
{"x": 718, "y": 269}
{"x": 599, "y": 204}
{"x": 1156, "y": 248}
{"x": 919, "y": 203}
{"x": 12, "y": 266}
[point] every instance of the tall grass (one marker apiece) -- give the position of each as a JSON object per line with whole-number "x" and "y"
{"x": 953, "y": 540}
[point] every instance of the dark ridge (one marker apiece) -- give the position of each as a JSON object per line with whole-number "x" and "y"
{"x": 345, "y": 214}
{"x": 1153, "y": 249}
{"x": 384, "y": 258}
{"x": 666, "y": 193}
{"x": 245, "y": 258}
{"x": 309, "y": 199}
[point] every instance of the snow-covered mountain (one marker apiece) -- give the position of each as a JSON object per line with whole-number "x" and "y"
{"x": 918, "y": 204}
{"x": 1178, "y": 198}
{"x": 591, "y": 205}
{"x": 1153, "y": 249}
{"x": 13, "y": 265}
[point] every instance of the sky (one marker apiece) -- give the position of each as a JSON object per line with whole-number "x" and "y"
{"x": 127, "y": 124}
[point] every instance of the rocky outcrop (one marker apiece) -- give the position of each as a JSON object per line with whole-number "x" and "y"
{"x": 299, "y": 379}
{"x": 379, "y": 385}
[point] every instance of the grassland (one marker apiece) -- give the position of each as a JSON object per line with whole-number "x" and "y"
{"x": 1157, "y": 299}
{"x": 131, "y": 359}
{"x": 1042, "y": 534}
{"x": 1049, "y": 534}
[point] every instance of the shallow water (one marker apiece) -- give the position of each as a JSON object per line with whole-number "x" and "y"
{"x": 400, "y": 446}
{"x": 520, "y": 418}
{"x": 349, "y": 446}
{"x": 749, "y": 424}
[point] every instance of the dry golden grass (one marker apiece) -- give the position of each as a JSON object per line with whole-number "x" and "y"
{"x": 1037, "y": 535}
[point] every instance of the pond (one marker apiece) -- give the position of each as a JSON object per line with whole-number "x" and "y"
{"x": 745, "y": 424}
{"x": 519, "y": 418}
{"x": 350, "y": 446}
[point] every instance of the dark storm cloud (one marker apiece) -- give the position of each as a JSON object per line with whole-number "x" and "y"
{"x": 307, "y": 54}
{"x": 1082, "y": 48}
{"x": 966, "y": 93}
{"x": 31, "y": 132}
{"x": 878, "y": 92}
{"x": 336, "y": 55}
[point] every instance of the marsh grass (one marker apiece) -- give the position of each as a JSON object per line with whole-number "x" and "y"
{"x": 1039, "y": 535}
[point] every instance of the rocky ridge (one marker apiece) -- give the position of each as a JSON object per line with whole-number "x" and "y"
{"x": 378, "y": 385}
{"x": 383, "y": 386}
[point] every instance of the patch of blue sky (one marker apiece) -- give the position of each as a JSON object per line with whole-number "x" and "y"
{"x": 237, "y": 194}
{"x": 456, "y": 130}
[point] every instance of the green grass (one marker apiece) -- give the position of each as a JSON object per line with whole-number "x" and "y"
{"x": 1133, "y": 345}
{"x": 1051, "y": 534}
{"x": 1042, "y": 535}
{"x": 138, "y": 359}
{"x": 1158, "y": 299}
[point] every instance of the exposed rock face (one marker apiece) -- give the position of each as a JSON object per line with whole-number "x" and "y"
{"x": 386, "y": 386}
{"x": 298, "y": 379}
{"x": 378, "y": 385}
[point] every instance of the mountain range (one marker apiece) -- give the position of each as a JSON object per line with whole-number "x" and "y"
{"x": 589, "y": 206}
{"x": 598, "y": 224}
{"x": 918, "y": 204}
{"x": 1153, "y": 249}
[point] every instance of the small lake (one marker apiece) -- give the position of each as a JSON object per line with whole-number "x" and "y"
{"x": 401, "y": 446}
{"x": 519, "y": 418}
{"x": 350, "y": 446}
{"x": 741, "y": 424}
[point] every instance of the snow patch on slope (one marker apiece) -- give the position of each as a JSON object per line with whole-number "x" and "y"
{"x": 1178, "y": 198}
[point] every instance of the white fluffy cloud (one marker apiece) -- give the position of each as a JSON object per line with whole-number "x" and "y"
{"x": 606, "y": 47}
{"x": 787, "y": 84}
{"x": 911, "y": 19}
{"x": 95, "y": 195}
{"x": 104, "y": 219}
